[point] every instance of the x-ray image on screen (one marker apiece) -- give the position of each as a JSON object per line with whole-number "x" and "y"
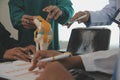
{"x": 86, "y": 40}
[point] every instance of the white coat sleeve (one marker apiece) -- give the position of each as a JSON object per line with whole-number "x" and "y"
{"x": 102, "y": 61}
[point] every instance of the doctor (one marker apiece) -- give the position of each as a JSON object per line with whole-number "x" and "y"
{"x": 102, "y": 61}
{"x": 97, "y": 18}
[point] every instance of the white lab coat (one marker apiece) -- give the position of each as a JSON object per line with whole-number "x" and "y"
{"x": 104, "y": 16}
{"x": 102, "y": 61}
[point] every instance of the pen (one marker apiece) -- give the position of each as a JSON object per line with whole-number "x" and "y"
{"x": 58, "y": 57}
{"x": 81, "y": 17}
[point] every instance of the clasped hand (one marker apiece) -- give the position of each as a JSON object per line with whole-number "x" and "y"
{"x": 19, "y": 53}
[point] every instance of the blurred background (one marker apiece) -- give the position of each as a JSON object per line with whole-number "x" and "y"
{"x": 64, "y": 32}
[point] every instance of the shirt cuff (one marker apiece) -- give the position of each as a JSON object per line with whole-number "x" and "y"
{"x": 88, "y": 62}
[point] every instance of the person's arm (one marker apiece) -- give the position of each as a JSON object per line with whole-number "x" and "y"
{"x": 97, "y": 18}
{"x": 61, "y": 12}
{"x": 16, "y": 8}
{"x": 6, "y": 42}
{"x": 55, "y": 71}
{"x": 72, "y": 62}
{"x": 66, "y": 7}
{"x": 104, "y": 16}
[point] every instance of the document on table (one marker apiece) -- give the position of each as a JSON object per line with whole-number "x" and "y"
{"x": 18, "y": 70}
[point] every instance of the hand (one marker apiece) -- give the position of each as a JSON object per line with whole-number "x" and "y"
{"x": 77, "y": 15}
{"x": 19, "y": 53}
{"x": 55, "y": 71}
{"x": 53, "y": 12}
{"x": 72, "y": 62}
{"x": 27, "y": 22}
{"x": 42, "y": 54}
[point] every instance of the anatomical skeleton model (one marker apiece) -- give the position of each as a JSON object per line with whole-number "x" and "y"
{"x": 43, "y": 34}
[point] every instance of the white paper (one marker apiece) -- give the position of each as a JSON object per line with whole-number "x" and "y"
{"x": 18, "y": 70}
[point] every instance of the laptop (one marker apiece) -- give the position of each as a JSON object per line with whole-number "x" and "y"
{"x": 86, "y": 40}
